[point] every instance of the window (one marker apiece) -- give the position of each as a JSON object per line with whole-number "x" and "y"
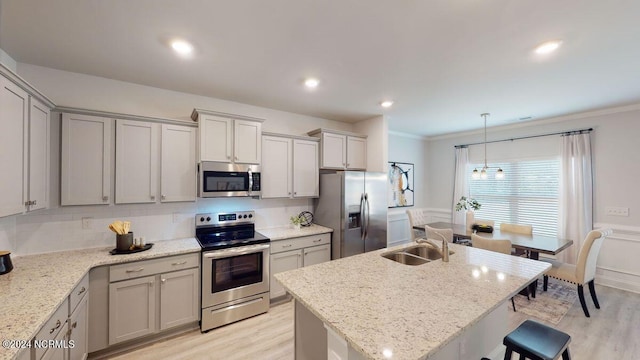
{"x": 528, "y": 194}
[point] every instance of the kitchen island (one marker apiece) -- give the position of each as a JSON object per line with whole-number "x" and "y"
{"x": 376, "y": 308}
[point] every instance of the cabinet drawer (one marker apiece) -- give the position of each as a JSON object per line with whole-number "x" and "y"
{"x": 78, "y": 293}
{"x": 300, "y": 242}
{"x": 137, "y": 269}
{"x": 56, "y": 323}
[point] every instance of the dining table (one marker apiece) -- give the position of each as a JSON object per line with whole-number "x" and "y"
{"x": 532, "y": 244}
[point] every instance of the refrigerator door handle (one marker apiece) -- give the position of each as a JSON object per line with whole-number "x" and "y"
{"x": 362, "y": 233}
{"x": 366, "y": 201}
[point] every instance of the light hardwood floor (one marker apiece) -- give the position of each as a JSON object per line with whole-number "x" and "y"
{"x": 610, "y": 333}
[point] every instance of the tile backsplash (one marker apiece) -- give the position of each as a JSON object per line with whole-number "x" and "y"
{"x": 62, "y": 228}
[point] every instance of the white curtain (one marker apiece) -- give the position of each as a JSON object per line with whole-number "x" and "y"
{"x": 576, "y": 193}
{"x": 461, "y": 183}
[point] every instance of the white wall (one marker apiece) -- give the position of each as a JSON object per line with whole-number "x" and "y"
{"x": 60, "y": 228}
{"x": 616, "y": 155}
{"x": 8, "y": 61}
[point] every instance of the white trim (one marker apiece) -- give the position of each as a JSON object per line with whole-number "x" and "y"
{"x": 606, "y": 268}
{"x": 610, "y": 280}
{"x": 24, "y": 85}
{"x": 620, "y": 229}
{"x": 196, "y": 113}
{"x": 111, "y": 115}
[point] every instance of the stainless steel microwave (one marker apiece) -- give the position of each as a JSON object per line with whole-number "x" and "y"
{"x": 225, "y": 180}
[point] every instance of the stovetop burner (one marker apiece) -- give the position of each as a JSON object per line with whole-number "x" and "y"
{"x": 221, "y": 231}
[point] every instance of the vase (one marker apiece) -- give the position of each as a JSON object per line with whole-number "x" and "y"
{"x": 469, "y": 219}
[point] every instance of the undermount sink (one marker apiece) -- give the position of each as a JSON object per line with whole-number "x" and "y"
{"x": 415, "y": 255}
{"x": 426, "y": 251}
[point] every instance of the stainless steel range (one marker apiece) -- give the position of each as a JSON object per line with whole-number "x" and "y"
{"x": 235, "y": 268}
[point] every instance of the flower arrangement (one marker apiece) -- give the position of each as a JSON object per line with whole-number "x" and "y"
{"x": 296, "y": 220}
{"x": 467, "y": 203}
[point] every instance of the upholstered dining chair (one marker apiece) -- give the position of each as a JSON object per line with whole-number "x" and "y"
{"x": 416, "y": 217}
{"x": 431, "y": 233}
{"x": 501, "y": 246}
{"x": 516, "y": 228}
{"x": 584, "y": 271}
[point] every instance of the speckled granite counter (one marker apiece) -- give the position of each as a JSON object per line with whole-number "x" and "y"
{"x": 38, "y": 284}
{"x": 280, "y": 233}
{"x": 378, "y": 305}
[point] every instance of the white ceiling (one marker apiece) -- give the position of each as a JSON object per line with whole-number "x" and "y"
{"x": 443, "y": 62}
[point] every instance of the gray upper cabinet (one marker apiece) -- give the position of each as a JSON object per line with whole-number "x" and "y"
{"x": 340, "y": 150}
{"x": 228, "y": 138}
{"x": 137, "y": 161}
{"x": 86, "y": 160}
{"x": 178, "y": 163}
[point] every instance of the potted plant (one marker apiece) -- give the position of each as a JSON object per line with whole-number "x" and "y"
{"x": 296, "y": 220}
{"x": 468, "y": 204}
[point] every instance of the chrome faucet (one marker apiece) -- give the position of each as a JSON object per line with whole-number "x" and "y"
{"x": 444, "y": 251}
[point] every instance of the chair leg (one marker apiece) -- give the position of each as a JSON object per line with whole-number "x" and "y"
{"x": 522, "y": 357}
{"x": 592, "y": 290}
{"x": 507, "y": 353}
{"x": 513, "y": 303}
{"x": 566, "y": 355}
{"x": 582, "y": 302}
{"x": 545, "y": 282}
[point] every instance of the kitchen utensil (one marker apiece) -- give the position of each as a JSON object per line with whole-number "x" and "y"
{"x": 5, "y": 262}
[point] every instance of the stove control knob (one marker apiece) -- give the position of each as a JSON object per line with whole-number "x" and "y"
{"x": 201, "y": 219}
{"x": 250, "y": 216}
{"x": 245, "y": 216}
{"x": 239, "y": 216}
{"x": 208, "y": 218}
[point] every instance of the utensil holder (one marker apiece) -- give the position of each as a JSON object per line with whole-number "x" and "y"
{"x": 5, "y": 262}
{"x": 124, "y": 242}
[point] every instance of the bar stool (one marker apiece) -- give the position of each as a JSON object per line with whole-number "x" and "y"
{"x": 533, "y": 340}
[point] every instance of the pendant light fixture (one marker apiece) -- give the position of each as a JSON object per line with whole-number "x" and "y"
{"x": 482, "y": 174}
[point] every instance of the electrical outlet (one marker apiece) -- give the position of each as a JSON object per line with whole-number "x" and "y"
{"x": 87, "y": 222}
{"x": 617, "y": 211}
{"x": 176, "y": 217}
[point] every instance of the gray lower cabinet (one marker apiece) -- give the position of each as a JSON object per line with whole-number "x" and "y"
{"x": 79, "y": 331}
{"x": 145, "y": 297}
{"x": 293, "y": 253}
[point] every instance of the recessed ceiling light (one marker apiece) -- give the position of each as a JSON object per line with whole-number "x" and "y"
{"x": 386, "y": 103}
{"x": 311, "y": 83}
{"x": 182, "y": 47}
{"x": 548, "y": 47}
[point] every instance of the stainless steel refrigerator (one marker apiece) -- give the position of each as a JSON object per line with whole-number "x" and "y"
{"x": 354, "y": 205}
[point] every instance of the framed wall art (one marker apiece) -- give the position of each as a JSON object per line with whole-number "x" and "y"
{"x": 401, "y": 187}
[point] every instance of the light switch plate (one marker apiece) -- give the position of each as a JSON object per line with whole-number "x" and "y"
{"x": 87, "y": 222}
{"x": 617, "y": 211}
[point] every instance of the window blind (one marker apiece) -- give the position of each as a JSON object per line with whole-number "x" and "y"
{"x": 528, "y": 194}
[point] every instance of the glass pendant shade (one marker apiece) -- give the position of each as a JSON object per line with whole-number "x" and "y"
{"x": 475, "y": 174}
{"x": 482, "y": 174}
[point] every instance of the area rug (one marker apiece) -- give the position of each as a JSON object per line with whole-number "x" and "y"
{"x": 551, "y": 305}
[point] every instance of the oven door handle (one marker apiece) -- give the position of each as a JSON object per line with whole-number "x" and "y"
{"x": 235, "y": 251}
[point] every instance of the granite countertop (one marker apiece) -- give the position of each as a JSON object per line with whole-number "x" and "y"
{"x": 377, "y": 304}
{"x": 38, "y": 284}
{"x": 286, "y": 232}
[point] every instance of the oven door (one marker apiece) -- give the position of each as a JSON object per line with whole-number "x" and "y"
{"x": 234, "y": 273}
{"x": 224, "y": 180}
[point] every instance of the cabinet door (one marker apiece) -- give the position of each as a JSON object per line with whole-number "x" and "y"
{"x": 137, "y": 161}
{"x": 86, "y": 160}
{"x": 305, "y": 168}
{"x": 38, "y": 155}
{"x": 334, "y": 150}
{"x": 284, "y": 261}
{"x": 356, "y": 153}
{"x": 79, "y": 331}
{"x": 316, "y": 254}
{"x": 14, "y": 107}
{"x": 57, "y": 352}
{"x": 215, "y": 136}
{"x": 246, "y": 141}
{"x": 276, "y": 167}
{"x": 132, "y": 309}
{"x": 178, "y": 167}
{"x": 179, "y": 296}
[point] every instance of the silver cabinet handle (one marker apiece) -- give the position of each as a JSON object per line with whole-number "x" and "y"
{"x": 317, "y": 240}
{"x": 151, "y": 283}
{"x": 179, "y": 263}
{"x": 74, "y": 325}
{"x": 163, "y": 197}
{"x": 348, "y": 164}
{"x": 299, "y": 254}
{"x": 228, "y": 157}
{"x": 295, "y": 193}
{"x": 82, "y": 290}
{"x": 235, "y": 157}
{"x": 289, "y": 192}
{"x": 287, "y": 246}
{"x": 153, "y": 197}
{"x": 58, "y": 324}
{"x": 136, "y": 270}
{"x": 27, "y": 203}
{"x": 105, "y": 198}
{"x": 163, "y": 280}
